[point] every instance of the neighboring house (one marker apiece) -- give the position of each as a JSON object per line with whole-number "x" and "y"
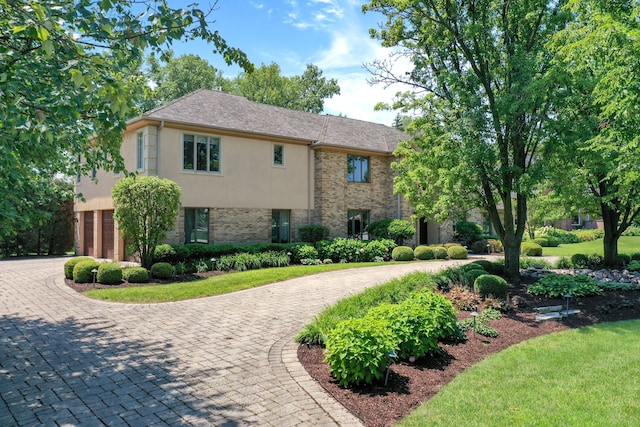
{"x": 252, "y": 173}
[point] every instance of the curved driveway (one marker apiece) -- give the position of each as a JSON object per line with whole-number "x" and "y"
{"x": 227, "y": 360}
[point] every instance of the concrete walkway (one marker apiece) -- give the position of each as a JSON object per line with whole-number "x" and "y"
{"x": 228, "y": 360}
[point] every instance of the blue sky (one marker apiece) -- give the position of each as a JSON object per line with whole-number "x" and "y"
{"x": 332, "y": 34}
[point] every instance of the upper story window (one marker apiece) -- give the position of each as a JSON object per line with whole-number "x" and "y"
{"x": 357, "y": 168}
{"x": 200, "y": 153}
{"x": 278, "y": 155}
{"x": 140, "y": 151}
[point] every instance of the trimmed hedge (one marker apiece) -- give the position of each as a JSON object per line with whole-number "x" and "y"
{"x": 162, "y": 270}
{"x": 439, "y": 252}
{"x": 136, "y": 275}
{"x": 424, "y": 252}
{"x": 82, "y": 271}
{"x": 69, "y": 265}
{"x": 531, "y": 249}
{"x": 402, "y": 253}
{"x": 109, "y": 274}
{"x": 488, "y": 284}
{"x": 469, "y": 277}
{"x": 457, "y": 252}
{"x": 486, "y": 264}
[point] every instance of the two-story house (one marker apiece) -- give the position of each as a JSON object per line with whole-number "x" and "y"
{"x": 252, "y": 173}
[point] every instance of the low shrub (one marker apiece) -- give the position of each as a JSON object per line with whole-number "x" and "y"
{"x": 635, "y": 256}
{"x": 531, "y": 249}
{"x": 162, "y": 270}
{"x": 82, "y": 271}
{"x": 579, "y": 260}
{"x": 357, "y": 350}
{"x": 595, "y": 261}
{"x": 109, "y": 274}
{"x": 634, "y": 265}
{"x": 69, "y": 265}
{"x": 352, "y": 250}
{"x": 439, "y": 252}
{"x": 559, "y": 285}
{"x": 562, "y": 235}
{"x": 485, "y": 264}
{"x": 424, "y": 252}
{"x": 469, "y": 277}
{"x": 489, "y": 284}
{"x": 526, "y": 262}
{"x": 479, "y": 323}
{"x": 623, "y": 260}
{"x": 313, "y": 233}
{"x": 467, "y": 232}
{"x": 632, "y": 231}
{"x": 463, "y": 298}
{"x": 496, "y": 245}
{"x": 542, "y": 241}
{"x": 481, "y": 247}
{"x": 564, "y": 263}
{"x": 402, "y": 253}
{"x": 457, "y": 252}
{"x": 164, "y": 253}
{"x": 136, "y": 275}
{"x": 304, "y": 252}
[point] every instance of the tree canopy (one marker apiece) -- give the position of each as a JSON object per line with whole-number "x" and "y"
{"x": 599, "y": 114}
{"x": 69, "y": 80}
{"x": 482, "y": 87}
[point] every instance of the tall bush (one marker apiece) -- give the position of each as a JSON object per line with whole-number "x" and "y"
{"x": 313, "y": 233}
{"x": 145, "y": 208}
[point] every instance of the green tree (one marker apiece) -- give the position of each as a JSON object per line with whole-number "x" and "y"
{"x": 145, "y": 208}
{"x": 481, "y": 85}
{"x": 175, "y": 77}
{"x": 600, "y": 116}
{"x": 306, "y": 92}
{"x": 69, "y": 79}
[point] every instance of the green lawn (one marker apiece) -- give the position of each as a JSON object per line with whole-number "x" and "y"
{"x": 626, "y": 245}
{"x": 580, "y": 377}
{"x": 215, "y": 285}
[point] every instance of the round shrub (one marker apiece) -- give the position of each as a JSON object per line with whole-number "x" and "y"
{"x": 635, "y": 256}
{"x": 579, "y": 260}
{"x": 402, "y": 253}
{"x": 162, "y": 270}
{"x": 488, "y": 284}
{"x": 69, "y": 265}
{"x": 136, "y": 275}
{"x": 424, "y": 252}
{"x": 469, "y": 277}
{"x": 82, "y": 272}
{"x": 564, "y": 263}
{"x": 439, "y": 252}
{"x": 457, "y": 252}
{"x": 109, "y": 274}
{"x": 531, "y": 249}
{"x": 542, "y": 241}
{"x": 481, "y": 247}
{"x": 305, "y": 252}
{"x": 497, "y": 267}
{"x": 623, "y": 260}
{"x": 486, "y": 264}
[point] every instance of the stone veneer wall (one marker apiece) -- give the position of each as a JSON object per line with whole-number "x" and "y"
{"x": 240, "y": 225}
{"x": 334, "y": 196}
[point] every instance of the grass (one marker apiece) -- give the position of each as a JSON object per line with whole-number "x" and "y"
{"x": 626, "y": 245}
{"x": 580, "y": 377}
{"x": 215, "y": 285}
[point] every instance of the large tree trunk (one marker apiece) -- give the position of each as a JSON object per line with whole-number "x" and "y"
{"x": 610, "y": 218}
{"x": 511, "y": 258}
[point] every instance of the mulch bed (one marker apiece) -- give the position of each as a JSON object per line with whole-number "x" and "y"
{"x": 411, "y": 384}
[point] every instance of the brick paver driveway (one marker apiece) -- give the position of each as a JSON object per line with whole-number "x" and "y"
{"x": 226, "y": 360}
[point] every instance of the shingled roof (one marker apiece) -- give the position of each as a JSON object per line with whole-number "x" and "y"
{"x": 224, "y": 111}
